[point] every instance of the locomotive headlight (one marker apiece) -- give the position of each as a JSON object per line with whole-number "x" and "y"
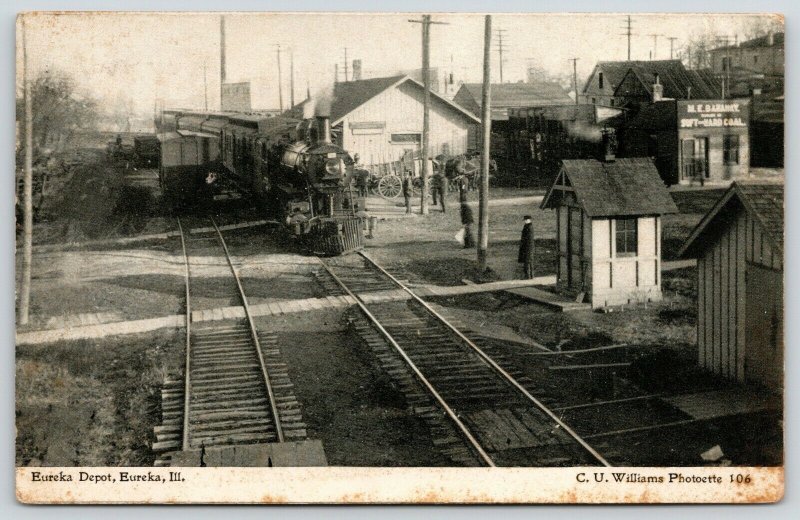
{"x": 334, "y": 166}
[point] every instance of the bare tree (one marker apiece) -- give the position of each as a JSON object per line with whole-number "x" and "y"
{"x": 695, "y": 52}
{"x": 58, "y": 112}
{"x": 762, "y": 25}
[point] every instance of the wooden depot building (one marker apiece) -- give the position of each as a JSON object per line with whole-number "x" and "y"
{"x": 739, "y": 251}
{"x": 608, "y": 215}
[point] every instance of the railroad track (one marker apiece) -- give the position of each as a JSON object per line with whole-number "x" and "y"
{"x": 235, "y": 388}
{"x": 478, "y": 412}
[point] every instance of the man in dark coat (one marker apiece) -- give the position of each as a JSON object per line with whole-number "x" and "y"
{"x": 439, "y": 185}
{"x": 408, "y": 190}
{"x": 526, "y": 248}
{"x": 467, "y": 220}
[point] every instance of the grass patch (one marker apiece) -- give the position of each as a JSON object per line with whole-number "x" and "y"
{"x": 92, "y": 402}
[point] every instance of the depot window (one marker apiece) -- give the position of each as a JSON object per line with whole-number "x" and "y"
{"x": 730, "y": 149}
{"x": 627, "y": 236}
{"x": 407, "y": 138}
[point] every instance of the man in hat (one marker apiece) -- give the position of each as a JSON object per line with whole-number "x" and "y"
{"x": 467, "y": 220}
{"x": 408, "y": 189}
{"x": 525, "y": 256}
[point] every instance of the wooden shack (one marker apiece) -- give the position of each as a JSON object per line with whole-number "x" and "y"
{"x": 608, "y": 216}
{"x": 739, "y": 251}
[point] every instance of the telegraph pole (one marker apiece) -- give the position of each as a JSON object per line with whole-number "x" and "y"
{"x": 291, "y": 77}
{"x": 671, "y": 45}
{"x": 654, "y": 56}
{"x": 426, "y": 107}
{"x": 575, "y": 76}
{"x": 221, "y": 59}
{"x": 205, "y": 84}
{"x": 500, "y": 50}
{"x": 628, "y": 34}
{"x": 345, "y": 65}
{"x": 280, "y": 80}
{"x": 486, "y": 133}
{"x": 27, "y": 248}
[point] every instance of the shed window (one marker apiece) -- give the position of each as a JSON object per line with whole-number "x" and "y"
{"x": 407, "y": 138}
{"x": 627, "y": 237}
{"x": 600, "y": 80}
{"x": 730, "y": 149}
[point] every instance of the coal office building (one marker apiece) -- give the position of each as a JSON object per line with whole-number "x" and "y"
{"x": 694, "y": 141}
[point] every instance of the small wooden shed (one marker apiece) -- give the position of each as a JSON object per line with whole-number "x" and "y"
{"x": 739, "y": 251}
{"x": 608, "y": 216}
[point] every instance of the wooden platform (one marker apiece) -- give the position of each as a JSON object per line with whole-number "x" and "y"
{"x": 307, "y": 453}
{"x": 552, "y": 300}
{"x": 724, "y": 403}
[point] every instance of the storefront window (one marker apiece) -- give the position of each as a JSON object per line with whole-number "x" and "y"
{"x": 730, "y": 149}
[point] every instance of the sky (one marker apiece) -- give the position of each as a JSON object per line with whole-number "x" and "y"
{"x": 136, "y": 58}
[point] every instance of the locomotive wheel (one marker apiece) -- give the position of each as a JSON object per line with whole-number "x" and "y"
{"x": 390, "y": 186}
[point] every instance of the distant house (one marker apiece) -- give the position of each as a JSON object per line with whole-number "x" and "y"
{"x": 763, "y": 55}
{"x": 506, "y": 96}
{"x": 380, "y": 119}
{"x": 608, "y": 228}
{"x": 605, "y": 84}
{"x": 739, "y": 251}
{"x": 693, "y": 141}
{"x": 667, "y": 79}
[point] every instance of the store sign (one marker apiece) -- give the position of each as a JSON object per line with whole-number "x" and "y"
{"x": 707, "y": 114}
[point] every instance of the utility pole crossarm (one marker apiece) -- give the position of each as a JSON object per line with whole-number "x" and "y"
{"x": 426, "y": 107}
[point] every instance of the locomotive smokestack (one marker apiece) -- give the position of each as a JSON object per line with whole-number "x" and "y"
{"x": 324, "y": 129}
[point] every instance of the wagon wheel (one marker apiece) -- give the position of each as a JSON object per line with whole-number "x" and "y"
{"x": 372, "y": 183}
{"x": 390, "y": 186}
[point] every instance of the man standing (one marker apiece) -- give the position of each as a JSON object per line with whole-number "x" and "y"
{"x": 467, "y": 219}
{"x": 408, "y": 190}
{"x": 439, "y": 188}
{"x": 526, "y": 248}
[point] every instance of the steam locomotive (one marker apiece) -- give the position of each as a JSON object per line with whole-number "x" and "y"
{"x": 289, "y": 166}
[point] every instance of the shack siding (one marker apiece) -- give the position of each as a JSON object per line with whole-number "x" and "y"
{"x": 400, "y": 111}
{"x": 722, "y": 293}
{"x": 739, "y": 293}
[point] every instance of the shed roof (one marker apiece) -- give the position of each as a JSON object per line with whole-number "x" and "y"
{"x": 625, "y": 187}
{"x": 348, "y": 96}
{"x": 762, "y": 199}
{"x": 508, "y": 95}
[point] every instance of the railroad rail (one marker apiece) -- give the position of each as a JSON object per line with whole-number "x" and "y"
{"x": 235, "y": 389}
{"x": 497, "y": 418}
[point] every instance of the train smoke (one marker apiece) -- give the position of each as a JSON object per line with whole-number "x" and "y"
{"x": 584, "y": 131}
{"x": 319, "y": 104}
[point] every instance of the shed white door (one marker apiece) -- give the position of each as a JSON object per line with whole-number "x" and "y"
{"x": 764, "y": 327}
